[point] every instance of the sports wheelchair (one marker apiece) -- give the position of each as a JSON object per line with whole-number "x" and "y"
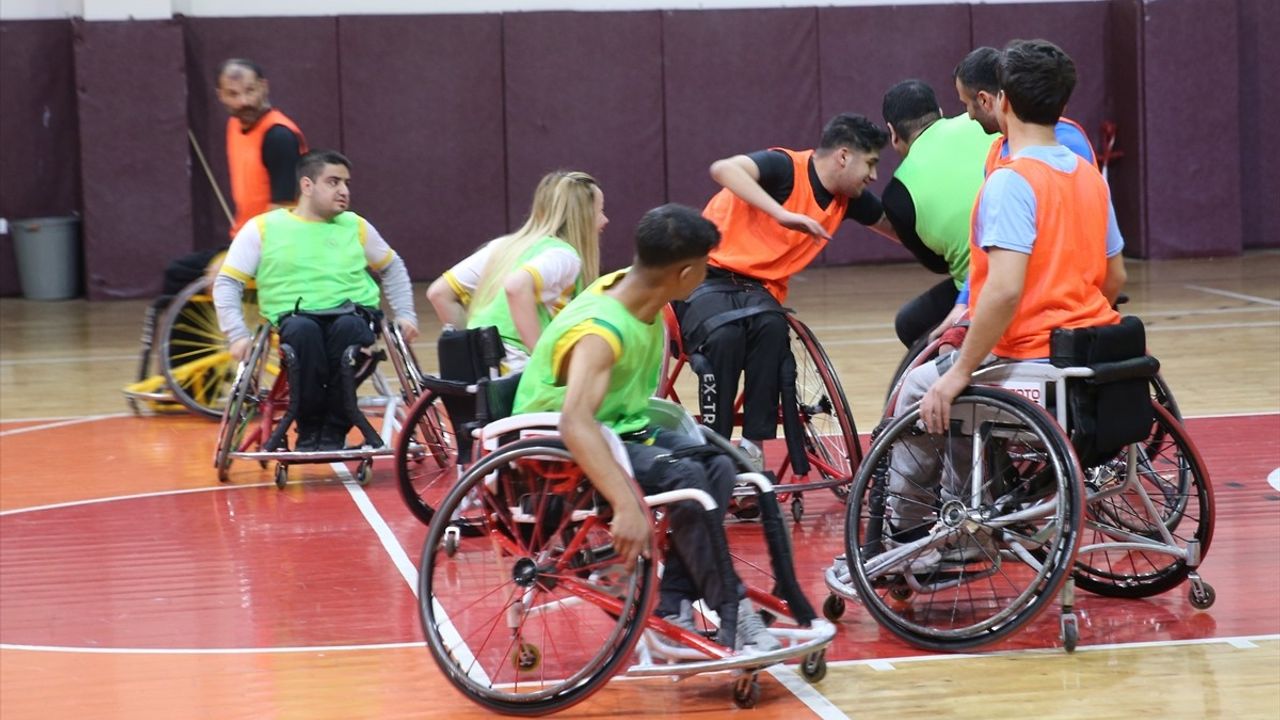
{"x": 184, "y": 358}
{"x": 261, "y": 409}
{"x": 817, "y": 422}
{"x": 531, "y": 611}
{"x": 1031, "y": 504}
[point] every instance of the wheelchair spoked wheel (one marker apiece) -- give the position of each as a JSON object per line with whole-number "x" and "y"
{"x": 193, "y": 351}
{"x": 830, "y": 435}
{"x": 405, "y": 362}
{"x": 1172, "y": 477}
{"x": 536, "y": 613}
{"x": 986, "y": 560}
{"x": 242, "y": 405}
{"x": 426, "y": 457}
{"x": 907, "y": 363}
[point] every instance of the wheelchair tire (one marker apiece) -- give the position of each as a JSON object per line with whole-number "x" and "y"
{"x": 242, "y": 405}
{"x": 831, "y": 437}
{"x": 1174, "y": 478}
{"x": 907, "y": 362}
{"x": 995, "y": 564}
{"x": 426, "y": 457}
{"x": 193, "y": 352}
{"x": 518, "y": 585}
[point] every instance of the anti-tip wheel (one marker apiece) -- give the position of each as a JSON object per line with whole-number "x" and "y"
{"x": 833, "y": 607}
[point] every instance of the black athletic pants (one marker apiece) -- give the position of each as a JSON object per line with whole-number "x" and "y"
{"x": 755, "y": 345}
{"x": 319, "y": 341}
{"x": 691, "y": 569}
{"x": 923, "y": 313}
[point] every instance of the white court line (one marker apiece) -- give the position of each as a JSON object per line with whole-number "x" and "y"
{"x": 61, "y": 423}
{"x": 1242, "y": 644}
{"x": 1233, "y": 641}
{"x": 806, "y": 693}
{"x": 209, "y": 651}
{"x": 1234, "y": 295}
{"x": 1212, "y": 326}
{"x": 1274, "y": 479}
{"x": 456, "y": 645}
{"x": 66, "y": 359}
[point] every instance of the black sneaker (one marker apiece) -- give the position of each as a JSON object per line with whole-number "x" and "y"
{"x": 332, "y": 438}
{"x": 308, "y": 439}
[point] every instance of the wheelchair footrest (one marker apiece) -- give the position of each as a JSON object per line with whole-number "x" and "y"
{"x": 295, "y": 457}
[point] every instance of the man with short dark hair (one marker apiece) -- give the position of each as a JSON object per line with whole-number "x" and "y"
{"x": 930, "y": 198}
{"x": 598, "y": 362}
{"x": 777, "y": 211}
{"x": 1045, "y": 254}
{"x": 311, "y": 265}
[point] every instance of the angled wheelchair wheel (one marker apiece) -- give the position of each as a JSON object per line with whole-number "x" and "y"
{"x": 242, "y": 405}
{"x": 193, "y": 352}
{"x": 958, "y": 540}
{"x": 831, "y": 438}
{"x": 426, "y": 457}
{"x": 405, "y": 362}
{"x": 907, "y": 362}
{"x": 536, "y": 613}
{"x": 1132, "y": 525}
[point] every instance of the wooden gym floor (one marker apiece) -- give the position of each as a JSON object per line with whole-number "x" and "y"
{"x": 133, "y": 585}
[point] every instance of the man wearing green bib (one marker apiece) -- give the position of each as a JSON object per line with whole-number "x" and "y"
{"x": 598, "y": 363}
{"x": 311, "y": 264}
{"x": 931, "y": 196}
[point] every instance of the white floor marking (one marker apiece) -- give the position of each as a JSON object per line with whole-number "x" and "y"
{"x": 881, "y": 665}
{"x": 1274, "y": 479}
{"x": 1242, "y": 643}
{"x": 400, "y": 558}
{"x": 62, "y": 359}
{"x": 60, "y": 423}
{"x": 1234, "y": 295}
{"x": 806, "y": 693}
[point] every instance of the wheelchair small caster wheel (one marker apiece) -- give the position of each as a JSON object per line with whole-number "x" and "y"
{"x": 814, "y": 666}
{"x": 1070, "y": 632}
{"x": 451, "y": 539}
{"x": 526, "y": 658}
{"x": 224, "y": 474}
{"x": 797, "y": 509}
{"x": 746, "y": 691}
{"x": 282, "y": 475}
{"x": 1201, "y": 595}
{"x": 833, "y": 607}
{"x": 900, "y": 592}
{"x": 364, "y": 473}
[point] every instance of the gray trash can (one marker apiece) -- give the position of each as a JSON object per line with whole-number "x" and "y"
{"x": 48, "y": 251}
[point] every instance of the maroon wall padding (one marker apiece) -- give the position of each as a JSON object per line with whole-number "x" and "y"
{"x": 736, "y": 81}
{"x": 1127, "y": 174}
{"x": 1259, "y": 133}
{"x": 855, "y": 80}
{"x": 39, "y": 134}
{"x": 584, "y": 92}
{"x": 1192, "y": 132}
{"x": 133, "y": 156}
{"x": 422, "y": 124}
{"x": 300, "y": 58}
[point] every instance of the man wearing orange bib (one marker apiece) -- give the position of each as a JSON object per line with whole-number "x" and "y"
{"x": 1044, "y": 254}
{"x": 776, "y": 212}
{"x": 263, "y": 148}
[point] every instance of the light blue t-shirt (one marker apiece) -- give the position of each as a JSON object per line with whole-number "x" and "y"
{"x": 1006, "y": 215}
{"x": 1070, "y": 135}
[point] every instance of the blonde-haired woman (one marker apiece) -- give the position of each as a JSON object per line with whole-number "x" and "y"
{"x": 518, "y": 282}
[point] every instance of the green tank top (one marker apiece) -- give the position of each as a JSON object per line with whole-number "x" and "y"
{"x": 637, "y": 352}
{"x": 498, "y": 313}
{"x": 943, "y": 173}
{"x": 312, "y": 265}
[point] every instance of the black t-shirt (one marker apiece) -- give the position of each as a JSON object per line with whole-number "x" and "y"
{"x": 901, "y": 211}
{"x": 280, "y": 153}
{"x": 777, "y": 177}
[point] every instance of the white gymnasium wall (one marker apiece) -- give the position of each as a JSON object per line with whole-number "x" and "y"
{"x": 157, "y": 9}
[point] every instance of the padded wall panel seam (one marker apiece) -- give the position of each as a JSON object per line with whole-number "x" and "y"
{"x": 132, "y": 106}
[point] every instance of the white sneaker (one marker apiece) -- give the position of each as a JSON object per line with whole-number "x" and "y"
{"x": 754, "y": 454}
{"x": 752, "y": 634}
